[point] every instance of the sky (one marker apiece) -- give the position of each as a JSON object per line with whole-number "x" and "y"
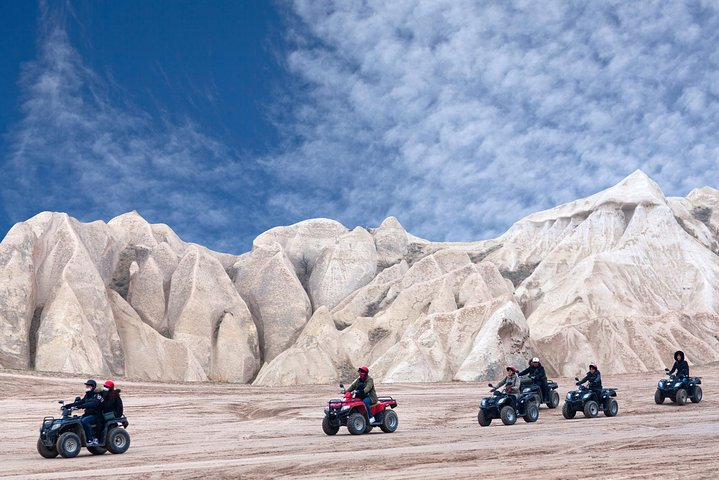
{"x": 223, "y": 119}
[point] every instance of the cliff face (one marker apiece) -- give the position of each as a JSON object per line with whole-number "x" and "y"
{"x": 623, "y": 277}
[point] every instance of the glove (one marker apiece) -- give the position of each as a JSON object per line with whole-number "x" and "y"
{"x": 578, "y": 383}
{"x": 492, "y": 389}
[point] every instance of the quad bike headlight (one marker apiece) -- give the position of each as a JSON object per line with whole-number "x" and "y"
{"x": 344, "y": 409}
{"x": 55, "y": 426}
{"x": 587, "y": 396}
{"x": 678, "y": 384}
{"x": 483, "y": 403}
{"x": 569, "y": 396}
{"x": 327, "y": 409}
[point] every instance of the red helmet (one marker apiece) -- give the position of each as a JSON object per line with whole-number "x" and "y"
{"x": 511, "y": 367}
{"x": 363, "y": 369}
{"x": 109, "y": 384}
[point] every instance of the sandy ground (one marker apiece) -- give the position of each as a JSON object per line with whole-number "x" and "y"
{"x": 229, "y": 431}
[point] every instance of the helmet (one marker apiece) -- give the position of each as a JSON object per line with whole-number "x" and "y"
{"x": 677, "y": 353}
{"x": 593, "y": 365}
{"x": 363, "y": 369}
{"x": 512, "y": 367}
{"x": 92, "y": 383}
{"x": 109, "y": 384}
{"x": 534, "y": 359}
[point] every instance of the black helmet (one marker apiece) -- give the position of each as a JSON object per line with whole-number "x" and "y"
{"x": 91, "y": 383}
{"x": 677, "y": 353}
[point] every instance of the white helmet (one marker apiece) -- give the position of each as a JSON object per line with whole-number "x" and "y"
{"x": 534, "y": 359}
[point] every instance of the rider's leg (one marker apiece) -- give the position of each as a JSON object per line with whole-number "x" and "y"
{"x": 368, "y": 402}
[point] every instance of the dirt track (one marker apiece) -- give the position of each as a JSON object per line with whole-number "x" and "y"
{"x": 229, "y": 431}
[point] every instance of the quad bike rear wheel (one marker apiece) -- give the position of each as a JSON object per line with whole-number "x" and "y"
{"x": 390, "y": 422}
{"x": 118, "y": 440}
{"x": 568, "y": 412}
{"x": 532, "y": 413}
{"x": 482, "y": 419}
{"x": 658, "y": 397}
{"x": 508, "y": 415}
{"x": 591, "y": 409}
{"x": 328, "y": 428}
{"x": 46, "y": 452}
{"x": 681, "y": 396}
{"x": 612, "y": 408}
{"x": 697, "y": 397}
{"x": 69, "y": 445}
{"x": 553, "y": 399}
{"x": 356, "y": 423}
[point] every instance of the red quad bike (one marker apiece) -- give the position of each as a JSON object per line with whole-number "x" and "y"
{"x": 351, "y": 412}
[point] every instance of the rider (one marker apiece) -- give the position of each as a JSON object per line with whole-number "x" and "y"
{"x": 511, "y": 381}
{"x": 91, "y": 402}
{"x": 680, "y": 365}
{"x": 537, "y": 374}
{"x": 594, "y": 379}
{"x": 364, "y": 389}
{"x": 112, "y": 401}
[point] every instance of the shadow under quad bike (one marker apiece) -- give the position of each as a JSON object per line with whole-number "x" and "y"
{"x": 507, "y": 407}
{"x": 66, "y": 437}
{"x": 351, "y": 412}
{"x": 587, "y": 401}
{"x": 528, "y": 385}
{"x": 679, "y": 389}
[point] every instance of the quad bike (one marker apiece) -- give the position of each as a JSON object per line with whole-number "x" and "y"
{"x": 589, "y": 402}
{"x": 529, "y": 385}
{"x": 678, "y": 389}
{"x": 66, "y": 437}
{"x": 351, "y": 412}
{"x": 507, "y": 407}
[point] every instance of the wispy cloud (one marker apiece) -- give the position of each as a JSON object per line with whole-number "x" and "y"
{"x": 460, "y": 117}
{"x": 83, "y": 147}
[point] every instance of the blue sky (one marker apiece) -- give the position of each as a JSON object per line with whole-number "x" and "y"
{"x": 223, "y": 119}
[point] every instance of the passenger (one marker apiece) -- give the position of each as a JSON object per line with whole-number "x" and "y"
{"x": 91, "y": 402}
{"x": 536, "y": 372}
{"x": 594, "y": 379}
{"x": 364, "y": 389}
{"x": 112, "y": 403}
{"x": 681, "y": 366}
{"x": 511, "y": 382}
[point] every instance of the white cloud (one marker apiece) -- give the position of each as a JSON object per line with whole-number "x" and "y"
{"x": 460, "y": 117}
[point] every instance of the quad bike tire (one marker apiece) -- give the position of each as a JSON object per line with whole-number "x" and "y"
{"x": 508, "y": 415}
{"x": 328, "y": 428}
{"x": 681, "y": 396}
{"x": 532, "y": 414}
{"x": 698, "y": 395}
{"x": 390, "y": 422}
{"x": 658, "y": 397}
{"x": 553, "y": 400}
{"x": 118, "y": 440}
{"x": 591, "y": 409}
{"x": 482, "y": 419}
{"x": 568, "y": 412}
{"x": 97, "y": 450}
{"x": 46, "y": 452}
{"x": 612, "y": 408}
{"x": 69, "y": 445}
{"x": 368, "y": 428}
{"x": 356, "y": 424}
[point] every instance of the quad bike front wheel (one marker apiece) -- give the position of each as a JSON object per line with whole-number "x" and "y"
{"x": 483, "y": 419}
{"x": 508, "y": 415}
{"x": 532, "y": 413}
{"x": 118, "y": 440}
{"x": 591, "y": 409}
{"x": 681, "y": 396}
{"x": 390, "y": 422}
{"x": 356, "y": 424}
{"x": 612, "y": 409}
{"x": 697, "y": 397}
{"x": 69, "y": 445}
{"x": 553, "y": 399}
{"x": 658, "y": 397}
{"x": 568, "y": 412}
{"x": 328, "y": 428}
{"x": 46, "y": 452}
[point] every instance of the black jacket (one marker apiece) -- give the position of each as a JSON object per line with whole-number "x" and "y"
{"x": 537, "y": 373}
{"x": 91, "y": 402}
{"x": 681, "y": 367}
{"x": 594, "y": 379}
{"x": 112, "y": 403}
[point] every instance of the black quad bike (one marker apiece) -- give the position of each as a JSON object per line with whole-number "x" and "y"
{"x": 66, "y": 437}
{"x": 528, "y": 385}
{"x": 351, "y": 412}
{"x": 507, "y": 407}
{"x": 587, "y": 401}
{"x": 678, "y": 389}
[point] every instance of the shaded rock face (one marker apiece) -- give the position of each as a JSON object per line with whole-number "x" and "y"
{"x": 623, "y": 278}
